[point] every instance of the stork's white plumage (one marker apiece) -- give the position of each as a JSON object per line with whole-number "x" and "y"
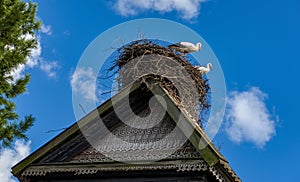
{"x": 186, "y": 47}
{"x": 203, "y": 69}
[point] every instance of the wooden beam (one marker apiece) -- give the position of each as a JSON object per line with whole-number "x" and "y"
{"x": 191, "y": 129}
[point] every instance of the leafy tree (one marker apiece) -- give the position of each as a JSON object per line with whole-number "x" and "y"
{"x": 17, "y": 39}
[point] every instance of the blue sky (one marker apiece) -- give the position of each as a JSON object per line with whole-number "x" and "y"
{"x": 256, "y": 43}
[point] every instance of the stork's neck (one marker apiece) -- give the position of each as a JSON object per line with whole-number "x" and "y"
{"x": 198, "y": 46}
{"x": 208, "y": 67}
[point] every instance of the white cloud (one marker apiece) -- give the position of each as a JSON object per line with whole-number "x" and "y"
{"x": 36, "y": 60}
{"x": 18, "y": 72}
{"x": 46, "y": 29}
{"x": 10, "y": 156}
{"x": 32, "y": 61}
{"x": 83, "y": 81}
{"x": 248, "y": 118}
{"x": 49, "y": 68}
{"x": 187, "y": 9}
{"x": 35, "y": 55}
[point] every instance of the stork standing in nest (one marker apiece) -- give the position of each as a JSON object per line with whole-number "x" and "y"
{"x": 204, "y": 70}
{"x": 185, "y": 47}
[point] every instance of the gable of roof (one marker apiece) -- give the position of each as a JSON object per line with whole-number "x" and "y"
{"x": 71, "y": 139}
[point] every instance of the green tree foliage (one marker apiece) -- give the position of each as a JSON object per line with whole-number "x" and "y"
{"x": 17, "y": 39}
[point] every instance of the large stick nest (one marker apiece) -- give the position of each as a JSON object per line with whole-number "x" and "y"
{"x": 173, "y": 69}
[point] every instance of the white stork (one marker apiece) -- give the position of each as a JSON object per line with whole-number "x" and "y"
{"x": 185, "y": 47}
{"x": 203, "y": 69}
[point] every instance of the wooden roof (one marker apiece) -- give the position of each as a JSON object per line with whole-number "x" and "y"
{"x": 70, "y": 151}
